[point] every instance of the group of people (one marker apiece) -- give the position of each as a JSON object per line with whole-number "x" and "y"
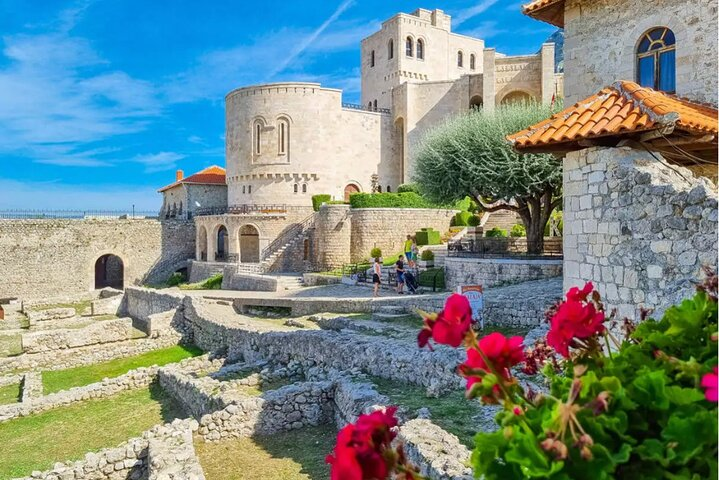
{"x": 404, "y": 276}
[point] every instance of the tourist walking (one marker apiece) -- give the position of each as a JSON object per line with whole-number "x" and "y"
{"x": 415, "y": 253}
{"x": 376, "y": 276}
{"x": 408, "y": 249}
{"x": 399, "y": 268}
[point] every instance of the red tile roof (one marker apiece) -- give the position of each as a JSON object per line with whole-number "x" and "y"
{"x": 622, "y": 109}
{"x": 550, "y": 11}
{"x": 213, "y": 175}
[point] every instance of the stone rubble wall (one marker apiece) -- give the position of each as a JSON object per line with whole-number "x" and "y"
{"x": 139, "y": 303}
{"x": 234, "y": 280}
{"x": 106, "y": 331}
{"x": 10, "y": 379}
{"x": 635, "y": 228}
{"x": 489, "y": 272}
{"x": 354, "y": 398}
{"x": 106, "y": 306}
{"x": 523, "y": 304}
{"x": 201, "y": 270}
{"x": 34, "y": 316}
{"x": 437, "y": 453}
{"x": 36, "y": 402}
{"x": 130, "y": 460}
{"x": 88, "y": 355}
{"x": 42, "y": 258}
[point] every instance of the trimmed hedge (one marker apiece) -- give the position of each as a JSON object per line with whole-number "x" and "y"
{"x": 428, "y": 236}
{"x": 318, "y": 200}
{"x": 375, "y": 253}
{"x": 427, "y": 255}
{"x": 518, "y": 231}
{"x": 408, "y": 187}
{"x": 389, "y": 200}
{"x": 496, "y": 232}
{"x": 465, "y": 219}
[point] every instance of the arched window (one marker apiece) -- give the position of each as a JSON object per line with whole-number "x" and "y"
{"x": 369, "y": 105}
{"x": 249, "y": 188}
{"x": 420, "y": 49}
{"x": 460, "y": 59}
{"x": 375, "y": 105}
{"x": 371, "y": 59}
{"x": 297, "y": 188}
{"x": 409, "y": 47}
{"x": 283, "y": 136}
{"x": 258, "y": 137}
{"x": 304, "y": 188}
{"x": 471, "y": 62}
{"x": 390, "y": 49}
{"x": 389, "y": 189}
{"x": 243, "y": 189}
{"x": 656, "y": 60}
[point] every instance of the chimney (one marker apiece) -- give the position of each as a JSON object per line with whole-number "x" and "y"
{"x": 179, "y": 175}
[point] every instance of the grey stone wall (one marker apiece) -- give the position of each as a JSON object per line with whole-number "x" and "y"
{"x": 106, "y": 331}
{"x": 639, "y": 230}
{"x": 333, "y": 233}
{"x": 140, "y": 303}
{"x": 200, "y": 271}
{"x": 234, "y": 280}
{"x": 496, "y": 271}
{"x": 46, "y": 258}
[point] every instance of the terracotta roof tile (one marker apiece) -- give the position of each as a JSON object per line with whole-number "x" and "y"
{"x": 550, "y": 11}
{"x": 623, "y": 108}
{"x": 213, "y": 175}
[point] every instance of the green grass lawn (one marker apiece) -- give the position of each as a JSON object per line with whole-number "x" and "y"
{"x": 56, "y": 380}
{"x": 10, "y": 345}
{"x": 294, "y": 455}
{"x": 212, "y": 283}
{"x": 452, "y": 411}
{"x": 10, "y": 393}
{"x": 67, "y": 433}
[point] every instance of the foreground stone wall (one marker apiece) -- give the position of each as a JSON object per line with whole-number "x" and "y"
{"x": 46, "y": 258}
{"x": 106, "y": 331}
{"x": 489, "y": 272}
{"x": 636, "y": 228}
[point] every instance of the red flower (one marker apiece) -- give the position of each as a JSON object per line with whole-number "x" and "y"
{"x": 502, "y": 352}
{"x": 359, "y": 452}
{"x": 574, "y": 318}
{"x": 451, "y": 324}
{"x": 710, "y": 383}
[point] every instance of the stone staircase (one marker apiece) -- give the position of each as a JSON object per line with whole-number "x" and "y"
{"x": 293, "y": 237}
{"x": 504, "y": 219}
{"x": 289, "y": 282}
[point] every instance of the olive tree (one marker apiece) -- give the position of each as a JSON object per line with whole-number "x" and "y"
{"x": 470, "y": 155}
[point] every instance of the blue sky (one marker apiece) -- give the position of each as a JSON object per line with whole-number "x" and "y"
{"x": 101, "y": 100}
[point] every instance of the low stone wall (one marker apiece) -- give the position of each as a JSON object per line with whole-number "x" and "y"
{"x": 171, "y": 455}
{"x": 437, "y": 453}
{"x": 249, "y": 282}
{"x": 35, "y": 401}
{"x": 106, "y": 331}
{"x": 139, "y": 303}
{"x": 326, "y": 350}
{"x": 75, "y": 357}
{"x": 200, "y": 271}
{"x": 354, "y": 398}
{"x": 496, "y": 271}
{"x": 34, "y": 316}
{"x": 316, "y": 279}
{"x": 106, "y": 306}
{"x": 521, "y": 305}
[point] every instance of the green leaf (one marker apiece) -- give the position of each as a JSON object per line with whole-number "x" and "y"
{"x": 650, "y": 390}
{"x": 683, "y": 396}
{"x": 526, "y": 452}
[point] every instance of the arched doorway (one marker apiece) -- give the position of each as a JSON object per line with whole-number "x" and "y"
{"x": 249, "y": 244}
{"x": 516, "y": 96}
{"x": 109, "y": 272}
{"x": 476, "y": 103}
{"x": 202, "y": 244}
{"x": 350, "y": 189}
{"x": 222, "y": 243}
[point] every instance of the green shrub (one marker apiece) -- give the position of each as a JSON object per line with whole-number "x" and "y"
{"x": 428, "y": 236}
{"x": 337, "y": 202}
{"x": 461, "y": 219}
{"x": 556, "y": 216}
{"x": 496, "y": 232}
{"x": 427, "y": 255}
{"x": 318, "y": 200}
{"x": 408, "y": 187}
{"x": 518, "y": 231}
{"x": 473, "y": 221}
{"x": 375, "y": 253}
{"x": 389, "y": 200}
{"x": 176, "y": 279}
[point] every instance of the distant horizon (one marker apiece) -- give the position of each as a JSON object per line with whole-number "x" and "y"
{"x": 99, "y": 116}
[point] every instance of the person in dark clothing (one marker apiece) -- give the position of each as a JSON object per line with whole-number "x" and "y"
{"x": 399, "y": 268}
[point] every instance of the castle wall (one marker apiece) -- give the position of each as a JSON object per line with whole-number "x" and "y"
{"x": 638, "y": 230}
{"x": 601, "y": 40}
{"x": 327, "y": 147}
{"x": 46, "y": 258}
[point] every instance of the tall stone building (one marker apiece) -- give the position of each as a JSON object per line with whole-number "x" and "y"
{"x": 640, "y": 216}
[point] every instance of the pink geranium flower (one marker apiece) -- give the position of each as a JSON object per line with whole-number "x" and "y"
{"x": 709, "y": 382}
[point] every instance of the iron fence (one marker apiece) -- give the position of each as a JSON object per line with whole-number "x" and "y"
{"x": 513, "y": 247}
{"x": 356, "y": 106}
{"x": 426, "y": 277}
{"x": 76, "y": 214}
{"x": 250, "y": 209}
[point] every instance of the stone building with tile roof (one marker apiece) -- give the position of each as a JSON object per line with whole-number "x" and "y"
{"x": 638, "y": 145}
{"x": 206, "y": 190}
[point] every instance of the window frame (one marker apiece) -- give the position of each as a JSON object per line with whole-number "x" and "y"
{"x": 419, "y": 49}
{"x": 472, "y": 61}
{"x": 390, "y": 49}
{"x": 409, "y": 47}
{"x": 656, "y": 54}
{"x": 460, "y": 59}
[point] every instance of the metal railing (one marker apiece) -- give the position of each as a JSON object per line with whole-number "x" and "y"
{"x": 426, "y": 277}
{"x": 288, "y": 235}
{"x": 512, "y": 247}
{"x": 266, "y": 209}
{"x": 76, "y": 214}
{"x": 365, "y": 108}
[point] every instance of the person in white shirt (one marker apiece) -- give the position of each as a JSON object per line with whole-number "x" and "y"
{"x": 377, "y": 276}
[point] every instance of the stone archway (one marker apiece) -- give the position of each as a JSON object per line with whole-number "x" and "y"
{"x": 109, "y": 272}
{"x": 517, "y": 96}
{"x": 222, "y": 246}
{"x": 201, "y": 244}
{"x": 350, "y": 189}
{"x": 249, "y": 244}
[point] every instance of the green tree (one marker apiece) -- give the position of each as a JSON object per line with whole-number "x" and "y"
{"x": 470, "y": 155}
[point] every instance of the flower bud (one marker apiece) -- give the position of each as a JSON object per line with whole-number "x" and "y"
{"x": 508, "y": 433}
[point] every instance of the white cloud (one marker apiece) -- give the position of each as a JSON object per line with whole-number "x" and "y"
{"x": 158, "y": 162}
{"x": 485, "y": 29}
{"x": 463, "y": 15}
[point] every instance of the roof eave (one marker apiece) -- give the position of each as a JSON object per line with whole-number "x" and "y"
{"x": 552, "y": 13}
